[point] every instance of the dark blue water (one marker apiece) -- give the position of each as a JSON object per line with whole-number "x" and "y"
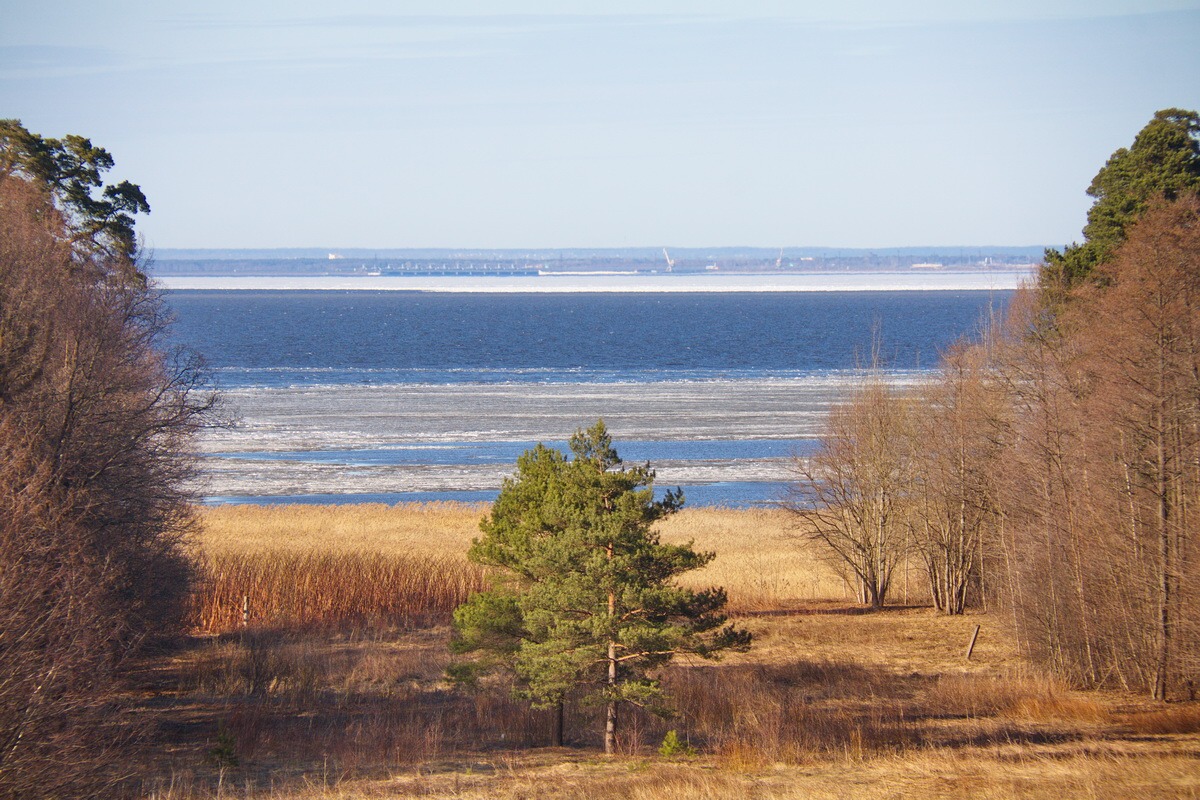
{"x": 265, "y": 338}
{"x": 404, "y": 396}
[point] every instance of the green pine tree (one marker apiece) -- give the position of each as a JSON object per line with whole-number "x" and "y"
{"x": 1162, "y": 162}
{"x": 586, "y": 599}
{"x": 71, "y": 173}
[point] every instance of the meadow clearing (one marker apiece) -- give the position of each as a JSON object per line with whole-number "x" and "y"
{"x": 334, "y": 686}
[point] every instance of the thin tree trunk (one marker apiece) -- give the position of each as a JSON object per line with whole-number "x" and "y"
{"x": 1164, "y": 607}
{"x": 560, "y": 713}
{"x": 610, "y": 725}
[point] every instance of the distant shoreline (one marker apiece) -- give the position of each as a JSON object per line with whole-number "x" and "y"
{"x": 930, "y": 280}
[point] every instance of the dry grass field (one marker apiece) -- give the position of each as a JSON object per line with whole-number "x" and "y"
{"x": 443, "y": 529}
{"x": 759, "y": 559}
{"x": 336, "y": 689}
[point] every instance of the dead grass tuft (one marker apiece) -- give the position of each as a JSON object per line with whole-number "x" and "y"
{"x": 1180, "y": 719}
{"x": 1019, "y": 694}
{"x": 751, "y": 715}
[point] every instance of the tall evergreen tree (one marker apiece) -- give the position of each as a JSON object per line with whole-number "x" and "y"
{"x": 69, "y": 172}
{"x": 1162, "y": 163}
{"x": 586, "y": 599}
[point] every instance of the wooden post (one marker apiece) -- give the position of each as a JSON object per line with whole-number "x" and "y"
{"x": 971, "y": 646}
{"x": 245, "y": 610}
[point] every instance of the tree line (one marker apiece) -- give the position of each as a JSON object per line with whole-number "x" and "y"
{"x": 1053, "y": 464}
{"x": 95, "y": 421}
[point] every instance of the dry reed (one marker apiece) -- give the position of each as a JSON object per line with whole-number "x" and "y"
{"x": 330, "y": 590}
{"x": 1183, "y": 718}
{"x": 760, "y": 561}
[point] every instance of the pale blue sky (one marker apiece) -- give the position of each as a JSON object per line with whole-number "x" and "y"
{"x": 559, "y": 124}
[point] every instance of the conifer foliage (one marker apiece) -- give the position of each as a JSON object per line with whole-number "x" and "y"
{"x": 585, "y": 601}
{"x": 68, "y": 172}
{"x": 1163, "y": 163}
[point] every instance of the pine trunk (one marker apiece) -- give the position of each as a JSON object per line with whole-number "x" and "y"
{"x": 560, "y": 711}
{"x": 610, "y": 725}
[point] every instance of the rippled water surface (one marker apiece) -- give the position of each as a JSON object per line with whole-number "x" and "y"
{"x": 347, "y": 396}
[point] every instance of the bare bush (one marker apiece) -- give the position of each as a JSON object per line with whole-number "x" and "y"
{"x": 853, "y": 497}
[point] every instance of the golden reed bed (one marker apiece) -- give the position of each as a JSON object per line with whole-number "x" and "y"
{"x": 399, "y": 565}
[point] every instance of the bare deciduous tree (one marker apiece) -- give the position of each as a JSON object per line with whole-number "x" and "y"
{"x": 1143, "y": 357}
{"x": 959, "y": 433}
{"x": 854, "y": 494}
{"x": 1102, "y": 480}
{"x": 94, "y": 427}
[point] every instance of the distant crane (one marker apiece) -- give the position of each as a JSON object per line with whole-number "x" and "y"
{"x": 670, "y": 263}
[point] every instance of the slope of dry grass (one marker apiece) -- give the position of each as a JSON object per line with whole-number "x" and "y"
{"x": 1034, "y": 773}
{"x": 831, "y": 701}
{"x": 335, "y": 716}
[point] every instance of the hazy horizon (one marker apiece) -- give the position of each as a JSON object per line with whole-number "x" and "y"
{"x": 367, "y": 251}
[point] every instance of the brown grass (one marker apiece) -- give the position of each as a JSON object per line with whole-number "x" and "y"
{"x": 1022, "y": 694}
{"x": 442, "y": 529}
{"x": 330, "y": 590}
{"x": 903, "y": 640}
{"x": 830, "y": 702}
{"x": 760, "y": 561}
{"x": 1184, "y": 718}
{"x": 1101, "y": 774}
{"x": 353, "y": 567}
{"x": 315, "y": 714}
